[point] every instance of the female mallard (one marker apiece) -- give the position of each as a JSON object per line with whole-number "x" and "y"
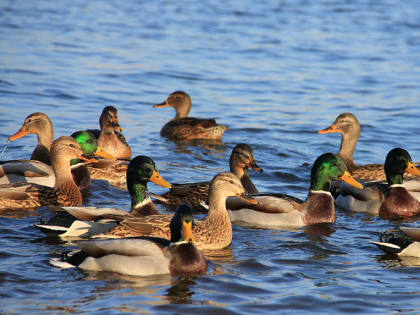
{"x": 278, "y": 210}
{"x": 109, "y": 137}
{"x": 349, "y": 127}
{"x": 403, "y": 242}
{"x": 143, "y": 256}
{"x": 213, "y": 232}
{"x": 393, "y": 200}
{"x": 241, "y": 159}
{"x": 65, "y": 191}
{"x": 188, "y": 128}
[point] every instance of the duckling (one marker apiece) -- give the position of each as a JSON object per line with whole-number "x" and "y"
{"x": 143, "y": 256}
{"x": 393, "y": 200}
{"x": 241, "y": 159}
{"x": 65, "y": 191}
{"x": 188, "y": 128}
{"x": 284, "y": 210}
{"x": 213, "y": 232}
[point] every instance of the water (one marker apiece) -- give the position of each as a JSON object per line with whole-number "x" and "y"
{"x": 275, "y": 72}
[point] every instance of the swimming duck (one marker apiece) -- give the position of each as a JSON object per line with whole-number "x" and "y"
{"x": 241, "y": 159}
{"x": 143, "y": 256}
{"x": 284, "y": 210}
{"x": 188, "y": 128}
{"x": 348, "y": 126}
{"x": 391, "y": 200}
{"x": 213, "y": 232}
{"x": 109, "y": 137}
{"x": 65, "y": 191}
{"x": 403, "y": 242}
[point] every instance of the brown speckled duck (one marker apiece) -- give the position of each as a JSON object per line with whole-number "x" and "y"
{"x": 391, "y": 201}
{"x": 143, "y": 256}
{"x": 65, "y": 191}
{"x": 188, "y": 128}
{"x": 284, "y": 210}
{"x": 213, "y": 232}
{"x": 241, "y": 159}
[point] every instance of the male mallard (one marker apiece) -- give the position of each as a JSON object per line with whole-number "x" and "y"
{"x": 393, "y": 200}
{"x": 278, "y": 210}
{"x": 241, "y": 159}
{"x": 349, "y": 127}
{"x": 65, "y": 191}
{"x": 213, "y": 232}
{"x": 188, "y": 128}
{"x": 403, "y": 242}
{"x": 109, "y": 137}
{"x": 143, "y": 256}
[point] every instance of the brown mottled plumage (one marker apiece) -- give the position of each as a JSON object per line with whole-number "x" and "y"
{"x": 65, "y": 191}
{"x": 241, "y": 159}
{"x": 114, "y": 172}
{"x": 214, "y": 232}
{"x": 188, "y": 128}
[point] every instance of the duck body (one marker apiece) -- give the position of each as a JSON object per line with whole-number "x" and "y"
{"x": 144, "y": 256}
{"x": 284, "y": 210}
{"x": 26, "y": 171}
{"x": 388, "y": 201}
{"x": 403, "y": 242}
{"x": 183, "y": 128}
{"x": 241, "y": 159}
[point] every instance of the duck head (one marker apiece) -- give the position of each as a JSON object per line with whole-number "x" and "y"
{"x": 179, "y": 100}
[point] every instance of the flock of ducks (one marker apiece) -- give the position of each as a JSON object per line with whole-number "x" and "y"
{"x": 143, "y": 241}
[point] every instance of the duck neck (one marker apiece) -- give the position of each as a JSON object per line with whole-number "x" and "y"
{"x": 182, "y": 110}
{"x": 347, "y": 146}
{"x": 64, "y": 182}
{"x": 394, "y": 179}
{"x": 217, "y": 208}
{"x": 45, "y": 137}
{"x": 138, "y": 193}
{"x": 320, "y": 183}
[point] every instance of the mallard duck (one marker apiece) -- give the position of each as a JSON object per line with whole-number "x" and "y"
{"x": 26, "y": 171}
{"x": 109, "y": 137}
{"x": 403, "y": 242}
{"x": 143, "y": 256}
{"x": 65, "y": 191}
{"x": 284, "y": 210}
{"x": 391, "y": 200}
{"x": 188, "y": 128}
{"x": 241, "y": 159}
{"x": 348, "y": 126}
{"x": 213, "y": 232}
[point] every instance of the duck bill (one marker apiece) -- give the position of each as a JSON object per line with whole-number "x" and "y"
{"x": 350, "y": 180}
{"x": 187, "y": 231}
{"x": 100, "y": 152}
{"x": 81, "y": 157}
{"x": 164, "y": 104}
{"x": 255, "y": 167}
{"x": 21, "y": 133}
{"x": 412, "y": 169}
{"x": 116, "y": 125}
{"x": 247, "y": 198}
{"x": 159, "y": 180}
{"x": 330, "y": 129}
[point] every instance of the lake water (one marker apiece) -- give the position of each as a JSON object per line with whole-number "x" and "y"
{"x": 275, "y": 72}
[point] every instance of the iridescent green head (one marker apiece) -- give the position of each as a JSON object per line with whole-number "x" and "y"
{"x": 328, "y": 167}
{"x": 397, "y": 162}
{"x": 181, "y": 224}
{"x": 86, "y": 140}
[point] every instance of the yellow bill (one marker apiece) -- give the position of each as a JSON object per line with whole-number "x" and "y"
{"x": 247, "y": 198}
{"x": 412, "y": 169}
{"x": 330, "y": 129}
{"x": 159, "y": 180}
{"x": 350, "y": 180}
{"x": 100, "y": 152}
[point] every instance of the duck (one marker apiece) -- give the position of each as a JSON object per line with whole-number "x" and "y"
{"x": 31, "y": 171}
{"x": 212, "y": 233}
{"x": 140, "y": 171}
{"x": 142, "y": 256}
{"x": 241, "y": 159}
{"x": 348, "y": 126}
{"x": 391, "y": 200}
{"x": 183, "y": 128}
{"x": 65, "y": 190}
{"x": 110, "y": 138}
{"x": 284, "y": 210}
{"x": 404, "y": 242}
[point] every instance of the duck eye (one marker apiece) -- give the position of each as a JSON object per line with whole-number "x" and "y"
{"x": 90, "y": 141}
{"x": 71, "y": 145}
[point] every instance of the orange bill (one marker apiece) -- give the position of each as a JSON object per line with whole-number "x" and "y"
{"x": 350, "y": 180}
{"x": 247, "y": 198}
{"x": 21, "y": 133}
{"x": 412, "y": 169}
{"x": 81, "y": 157}
{"x": 158, "y": 180}
{"x": 164, "y": 104}
{"x": 330, "y": 129}
{"x": 187, "y": 231}
{"x": 255, "y": 167}
{"x": 100, "y": 152}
